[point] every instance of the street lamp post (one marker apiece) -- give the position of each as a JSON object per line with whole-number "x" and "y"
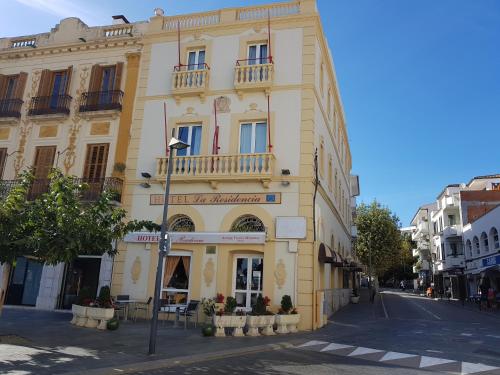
{"x": 163, "y": 246}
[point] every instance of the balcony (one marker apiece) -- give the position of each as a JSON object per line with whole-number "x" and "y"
{"x": 50, "y": 106}
{"x": 250, "y": 76}
{"x": 10, "y": 110}
{"x": 189, "y": 80}
{"x": 101, "y": 103}
{"x": 95, "y": 188}
{"x": 216, "y": 168}
{"x": 452, "y": 231}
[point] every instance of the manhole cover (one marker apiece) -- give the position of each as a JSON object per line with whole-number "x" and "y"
{"x": 13, "y": 340}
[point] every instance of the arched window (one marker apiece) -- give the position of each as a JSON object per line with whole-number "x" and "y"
{"x": 468, "y": 245}
{"x": 476, "y": 244}
{"x": 494, "y": 238}
{"x": 180, "y": 223}
{"x": 484, "y": 241}
{"x": 248, "y": 223}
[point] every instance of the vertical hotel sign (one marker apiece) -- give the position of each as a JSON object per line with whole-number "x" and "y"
{"x": 216, "y": 198}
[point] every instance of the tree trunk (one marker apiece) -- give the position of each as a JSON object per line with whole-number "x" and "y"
{"x": 3, "y": 285}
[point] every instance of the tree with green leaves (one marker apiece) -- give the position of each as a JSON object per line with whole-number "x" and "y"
{"x": 58, "y": 226}
{"x": 402, "y": 264}
{"x": 378, "y": 238}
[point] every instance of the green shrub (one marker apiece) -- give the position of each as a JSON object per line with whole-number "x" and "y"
{"x": 113, "y": 324}
{"x": 230, "y": 305}
{"x": 286, "y": 304}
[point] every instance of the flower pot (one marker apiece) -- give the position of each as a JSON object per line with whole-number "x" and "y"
{"x": 79, "y": 315}
{"x": 228, "y": 321}
{"x": 287, "y": 323}
{"x": 354, "y": 299}
{"x": 268, "y": 322}
{"x": 263, "y": 322}
{"x": 238, "y": 322}
{"x": 103, "y": 316}
{"x": 92, "y": 313}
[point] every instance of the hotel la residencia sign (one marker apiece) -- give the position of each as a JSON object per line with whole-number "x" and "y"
{"x": 216, "y": 198}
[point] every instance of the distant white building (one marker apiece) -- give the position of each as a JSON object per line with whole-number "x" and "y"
{"x": 422, "y": 232}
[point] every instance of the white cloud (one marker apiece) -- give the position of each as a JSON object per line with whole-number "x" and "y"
{"x": 63, "y": 9}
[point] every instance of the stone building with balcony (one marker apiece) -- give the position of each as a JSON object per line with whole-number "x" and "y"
{"x": 422, "y": 235}
{"x": 252, "y": 212}
{"x": 66, "y": 99}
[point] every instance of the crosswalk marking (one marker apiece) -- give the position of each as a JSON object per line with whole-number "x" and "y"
{"x": 334, "y": 346}
{"x": 409, "y": 360}
{"x": 363, "y": 351}
{"x": 392, "y": 356}
{"x": 432, "y": 361}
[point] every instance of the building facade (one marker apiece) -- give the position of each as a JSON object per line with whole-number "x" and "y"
{"x": 421, "y": 234}
{"x": 66, "y": 100}
{"x": 252, "y": 210}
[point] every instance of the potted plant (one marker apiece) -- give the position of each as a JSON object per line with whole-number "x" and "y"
{"x": 208, "y": 306}
{"x": 219, "y": 302}
{"x": 225, "y": 318}
{"x": 287, "y": 318}
{"x": 79, "y": 308}
{"x": 355, "y": 296}
{"x": 101, "y": 310}
{"x": 260, "y": 318}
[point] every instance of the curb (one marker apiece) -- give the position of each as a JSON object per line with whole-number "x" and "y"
{"x": 183, "y": 360}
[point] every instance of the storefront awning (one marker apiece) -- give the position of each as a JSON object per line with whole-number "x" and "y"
{"x": 327, "y": 255}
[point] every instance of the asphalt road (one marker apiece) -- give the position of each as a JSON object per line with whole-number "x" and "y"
{"x": 399, "y": 334}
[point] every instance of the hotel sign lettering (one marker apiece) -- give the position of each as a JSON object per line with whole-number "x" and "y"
{"x": 200, "y": 237}
{"x": 217, "y": 198}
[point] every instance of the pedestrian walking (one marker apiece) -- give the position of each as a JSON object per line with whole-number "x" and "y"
{"x": 483, "y": 289}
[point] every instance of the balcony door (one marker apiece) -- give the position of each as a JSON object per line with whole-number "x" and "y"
{"x": 253, "y": 137}
{"x": 247, "y": 280}
{"x": 58, "y": 88}
{"x": 3, "y": 160}
{"x": 190, "y": 134}
{"x": 107, "y": 84}
{"x": 257, "y": 54}
{"x": 44, "y": 161}
{"x": 196, "y": 59}
{"x": 94, "y": 170}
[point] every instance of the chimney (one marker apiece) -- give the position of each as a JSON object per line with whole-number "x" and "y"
{"x": 120, "y": 20}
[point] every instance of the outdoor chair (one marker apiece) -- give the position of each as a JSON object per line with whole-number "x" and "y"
{"x": 121, "y": 308}
{"x": 190, "y": 311}
{"x": 142, "y": 306}
{"x": 164, "y": 308}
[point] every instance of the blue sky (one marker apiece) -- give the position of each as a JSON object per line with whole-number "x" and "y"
{"x": 420, "y": 83}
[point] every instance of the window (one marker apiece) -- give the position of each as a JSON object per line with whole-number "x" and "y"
{"x": 484, "y": 241}
{"x": 441, "y": 224}
{"x": 439, "y": 252}
{"x": 468, "y": 245}
{"x": 44, "y": 160}
{"x": 3, "y": 160}
{"x": 493, "y": 235}
{"x": 336, "y": 184}
{"x": 435, "y": 226}
{"x": 329, "y": 104}
{"x": 330, "y": 187}
{"x": 190, "y": 134}
{"x": 175, "y": 286}
{"x": 53, "y": 89}
{"x": 321, "y": 77}
{"x": 451, "y": 220}
{"x": 180, "y": 223}
{"x": 253, "y": 137}
{"x": 96, "y": 162}
{"x": 475, "y": 240}
{"x": 196, "y": 59}
{"x": 453, "y": 249}
{"x": 248, "y": 223}
{"x": 257, "y": 54}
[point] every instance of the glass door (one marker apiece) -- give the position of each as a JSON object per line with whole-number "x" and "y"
{"x": 248, "y": 280}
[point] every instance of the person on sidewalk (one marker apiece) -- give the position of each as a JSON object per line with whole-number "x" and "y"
{"x": 484, "y": 295}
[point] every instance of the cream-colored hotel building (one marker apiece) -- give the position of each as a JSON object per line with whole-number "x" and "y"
{"x": 253, "y": 92}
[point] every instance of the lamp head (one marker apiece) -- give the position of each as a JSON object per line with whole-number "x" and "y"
{"x": 177, "y": 144}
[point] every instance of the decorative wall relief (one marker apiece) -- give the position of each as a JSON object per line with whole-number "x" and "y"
{"x": 135, "y": 271}
{"x": 209, "y": 272}
{"x": 69, "y": 159}
{"x": 280, "y": 274}
{"x": 222, "y": 104}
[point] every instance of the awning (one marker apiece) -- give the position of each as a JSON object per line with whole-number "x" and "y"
{"x": 352, "y": 267}
{"x": 327, "y": 255}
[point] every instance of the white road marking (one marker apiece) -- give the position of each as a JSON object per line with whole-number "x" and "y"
{"x": 466, "y": 334}
{"x": 313, "y": 343}
{"x": 362, "y": 351}
{"x": 494, "y": 336}
{"x": 471, "y": 368}
{"x": 391, "y": 356}
{"x": 424, "y": 309}
{"x": 383, "y": 306}
{"x": 334, "y": 346}
{"x": 432, "y": 361}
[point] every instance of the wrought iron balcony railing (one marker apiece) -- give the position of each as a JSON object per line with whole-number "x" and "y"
{"x": 50, "y": 105}
{"x": 101, "y": 101}
{"x": 95, "y": 188}
{"x": 10, "y": 107}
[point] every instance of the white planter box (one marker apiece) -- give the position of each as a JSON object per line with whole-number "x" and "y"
{"x": 287, "y": 323}
{"x": 264, "y": 322}
{"x": 99, "y": 316}
{"x": 229, "y": 321}
{"x": 354, "y": 299}
{"x": 79, "y": 315}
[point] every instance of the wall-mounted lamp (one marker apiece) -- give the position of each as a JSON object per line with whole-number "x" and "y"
{"x": 59, "y": 153}
{"x": 146, "y": 184}
{"x": 285, "y": 183}
{"x": 285, "y": 172}
{"x": 82, "y": 40}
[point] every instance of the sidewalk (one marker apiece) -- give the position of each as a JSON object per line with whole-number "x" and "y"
{"x": 33, "y": 341}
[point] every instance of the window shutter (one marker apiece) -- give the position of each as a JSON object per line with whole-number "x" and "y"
{"x": 45, "y": 81}
{"x": 67, "y": 87}
{"x": 118, "y": 76}
{"x": 44, "y": 160}
{"x": 95, "y": 78}
{"x": 3, "y": 158}
{"x": 3, "y": 86}
{"x": 20, "y": 85}
{"x": 96, "y": 161}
